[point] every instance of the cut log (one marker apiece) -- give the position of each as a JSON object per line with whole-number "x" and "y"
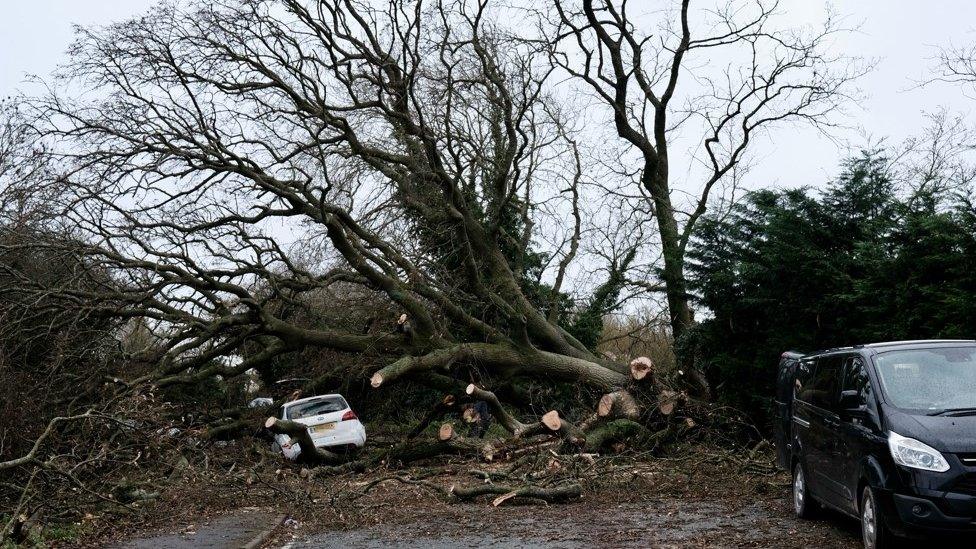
{"x": 553, "y": 494}
{"x": 667, "y": 407}
{"x": 641, "y": 367}
{"x": 446, "y": 432}
{"x": 299, "y": 433}
{"x": 551, "y": 420}
{"x": 376, "y": 380}
{"x": 668, "y": 401}
{"x": 618, "y": 404}
{"x": 551, "y": 423}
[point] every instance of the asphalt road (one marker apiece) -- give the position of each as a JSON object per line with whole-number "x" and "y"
{"x": 665, "y": 522}
{"x": 661, "y": 523}
{"x": 232, "y": 530}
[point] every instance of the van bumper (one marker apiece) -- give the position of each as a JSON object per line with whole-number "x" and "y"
{"x": 939, "y": 511}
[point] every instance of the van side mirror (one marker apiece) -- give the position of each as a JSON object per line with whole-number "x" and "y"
{"x": 852, "y": 402}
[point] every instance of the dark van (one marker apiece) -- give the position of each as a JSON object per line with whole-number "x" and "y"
{"x": 885, "y": 433}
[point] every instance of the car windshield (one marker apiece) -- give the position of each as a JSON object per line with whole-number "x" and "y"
{"x": 324, "y": 405}
{"x": 929, "y": 379}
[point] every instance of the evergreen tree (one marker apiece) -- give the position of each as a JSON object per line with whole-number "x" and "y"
{"x": 800, "y": 270}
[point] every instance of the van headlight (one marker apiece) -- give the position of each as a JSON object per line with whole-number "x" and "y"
{"x": 917, "y": 455}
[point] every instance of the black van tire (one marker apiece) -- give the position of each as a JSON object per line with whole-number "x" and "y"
{"x": 803, "y": 504}
{"x": 874, "y": 529}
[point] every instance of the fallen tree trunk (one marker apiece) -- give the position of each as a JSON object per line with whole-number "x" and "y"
{"x": 554, "y": 494}
{"x": 613, "y": 431}
{"x": 618, "y": 404}
{"x": 551, "y": 423}
{"x": 229, "y": 430}
{"x": 501, "y": 415}
{"x": 448, "y": 444}
{"x": 299, "y": 435}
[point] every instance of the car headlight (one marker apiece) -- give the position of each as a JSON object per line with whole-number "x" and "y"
{"x": 917, "y": 455}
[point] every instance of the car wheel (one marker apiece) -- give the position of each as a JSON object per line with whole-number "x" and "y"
{"x": 803, "y": 504}
{"x": 874, "y": 531}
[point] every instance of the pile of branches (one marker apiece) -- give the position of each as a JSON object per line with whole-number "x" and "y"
{"x": 138, "y": 446}
{"x": 625, "y": 413}
{"x": 645, "y": 415}
{"x": 103, "y": 460}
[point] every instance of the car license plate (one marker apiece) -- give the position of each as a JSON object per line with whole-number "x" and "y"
{"x": 323, "y": 428}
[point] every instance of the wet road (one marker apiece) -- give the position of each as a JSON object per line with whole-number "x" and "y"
{"x": 666, "y": 522}
{"x": 227, "y": 531}
{"x": 663, "y": 523}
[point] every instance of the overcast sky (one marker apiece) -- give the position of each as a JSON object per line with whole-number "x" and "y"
{"x": 901, "y": 33}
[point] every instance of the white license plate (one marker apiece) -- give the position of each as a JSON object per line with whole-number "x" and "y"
{"x": 323, "y": 428}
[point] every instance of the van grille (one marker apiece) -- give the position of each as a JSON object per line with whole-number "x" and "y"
{"x": 968, "y": 460}
{"x": 965, "y": 485}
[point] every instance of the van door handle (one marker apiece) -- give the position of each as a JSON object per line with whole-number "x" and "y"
{"x": 801, "y": 422}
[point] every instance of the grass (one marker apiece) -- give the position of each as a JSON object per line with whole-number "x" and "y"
{"x": 50, "y": 535}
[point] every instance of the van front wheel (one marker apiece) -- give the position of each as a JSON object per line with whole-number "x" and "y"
{"x": 873, "y": 529}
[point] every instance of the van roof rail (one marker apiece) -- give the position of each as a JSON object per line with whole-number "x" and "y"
{"x": 831, "y": 350}
{"x": 915, "y": 342}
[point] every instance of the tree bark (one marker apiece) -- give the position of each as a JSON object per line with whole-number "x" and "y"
{"x": 300, "y": 435}
{"x": 613, "y": 431}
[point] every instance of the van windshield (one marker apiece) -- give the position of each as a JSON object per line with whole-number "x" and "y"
{"x": 929, "y": 379}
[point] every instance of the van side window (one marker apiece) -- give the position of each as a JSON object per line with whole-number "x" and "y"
{"x": 856, "y": 379}
{"x": 822, "y": 389}
{"x": 804, "y": 370}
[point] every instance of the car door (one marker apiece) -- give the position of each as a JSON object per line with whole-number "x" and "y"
{"x": 818, "y": 399}
{"x": 784, "y": 409}
{"x": 858, "y": 430}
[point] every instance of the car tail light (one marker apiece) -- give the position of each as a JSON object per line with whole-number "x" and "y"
{"x": 349, "y": 415}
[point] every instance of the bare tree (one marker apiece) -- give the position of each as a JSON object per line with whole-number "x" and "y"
{"x": 227, "y": 157}
{"x": 937, "y": 163}
{"x": 955, "y": 65}
{"x": 715, "y": 77}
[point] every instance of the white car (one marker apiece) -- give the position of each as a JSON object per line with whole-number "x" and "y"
{"x": 330, "y": 421}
